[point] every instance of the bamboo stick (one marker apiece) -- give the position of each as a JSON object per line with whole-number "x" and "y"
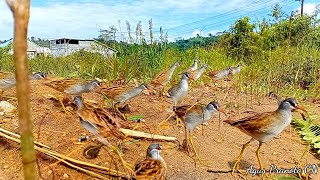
{"x": 52, "y": 153}
{"x": 21, "y": 11}
{"x": 18, "y": 136}
{"x": 140, "y": 134}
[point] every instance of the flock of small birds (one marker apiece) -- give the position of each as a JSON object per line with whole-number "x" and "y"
{"x": 262, "y": 127}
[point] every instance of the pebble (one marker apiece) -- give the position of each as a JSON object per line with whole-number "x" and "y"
{"x": 65, "y": 176}
{"x": 5, "y": 107}
{"x": 5, "y": 167}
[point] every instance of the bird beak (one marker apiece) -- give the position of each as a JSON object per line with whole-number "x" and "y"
{"x": 160, "y": 148}
{"x": 220, "y": 109}
{"x": 301, "y": 108}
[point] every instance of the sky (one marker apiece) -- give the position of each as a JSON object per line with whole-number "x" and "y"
{"x": 82, "y": 19}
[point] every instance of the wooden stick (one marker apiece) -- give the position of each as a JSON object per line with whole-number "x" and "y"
{"x": 140, "y": 134}
{"x": 21, "y": 11}
{"x": 79, "y": 168}
{"x": 52, "y": 153}
{"x": 18, "y": 136}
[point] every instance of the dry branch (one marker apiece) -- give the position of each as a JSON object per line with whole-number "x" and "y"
{"x": 73, "y": 162}
{"x": 140, "y": 134}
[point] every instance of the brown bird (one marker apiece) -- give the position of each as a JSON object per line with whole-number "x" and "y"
{"x": 120, "y": 94}
{"x": 90, "y": 121}
{"x": 162, "y": 79}
{"x": 99, "y": 117}
{"x": 153, "y": 167}
{"x": 265, "y": 126}
{"x": 193, "y": 116}
{"x": 72, "y": 87}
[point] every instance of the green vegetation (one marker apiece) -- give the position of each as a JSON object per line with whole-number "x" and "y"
{"x": 280, "y": 54}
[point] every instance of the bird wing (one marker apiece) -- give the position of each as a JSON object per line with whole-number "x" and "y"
{"x": 182, "y": 111}
{"x": 213, "y": 73}
{"x": 149, "y": 169}
{"x": 257, "y": 123}
{"x": 113, "y": 92}
{"x": 61, "y": 85}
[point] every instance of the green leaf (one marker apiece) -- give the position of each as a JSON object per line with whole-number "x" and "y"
{"x": 132, "y": 118}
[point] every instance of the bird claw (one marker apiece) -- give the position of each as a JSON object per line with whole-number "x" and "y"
{"x": 237, "y": 167}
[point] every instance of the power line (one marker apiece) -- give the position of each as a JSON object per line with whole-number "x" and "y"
{"x": 221, "y": 15}
{"x": 257, "y": 12}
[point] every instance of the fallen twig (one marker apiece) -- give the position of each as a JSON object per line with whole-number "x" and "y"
{"x": 219, "y": 171}
{"x": 67, "y": 160}
{"x": 140, "y": 134}
{"x": 18, "y": 136}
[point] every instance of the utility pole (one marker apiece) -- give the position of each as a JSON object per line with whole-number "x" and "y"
{"x": 302, "y": 1}
{"x": 301, "y": 9}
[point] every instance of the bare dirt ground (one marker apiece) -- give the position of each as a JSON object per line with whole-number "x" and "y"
{"x": 59, "y": 131}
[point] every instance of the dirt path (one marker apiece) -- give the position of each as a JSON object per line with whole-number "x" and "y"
{"x": 59, "y": 131}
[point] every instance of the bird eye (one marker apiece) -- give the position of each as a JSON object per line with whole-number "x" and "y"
{"x": 292, "y": 103}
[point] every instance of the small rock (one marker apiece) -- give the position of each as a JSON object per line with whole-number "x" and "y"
{"x": 65, "y": 176}
{"x": 5, "y": 167}
{"x": 5, "y": 107}
{"x": 49, "y": 172}
{"x": 274, "y": 153}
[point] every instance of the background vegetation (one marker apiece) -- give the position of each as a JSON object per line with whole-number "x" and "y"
{"x": 280, "y": 54}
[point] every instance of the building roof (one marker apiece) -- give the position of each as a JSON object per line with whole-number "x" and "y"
{"x": 6, "y": 43}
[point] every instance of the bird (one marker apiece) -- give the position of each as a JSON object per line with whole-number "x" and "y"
{"x": 220, "y": 74}
{"x": 99, "y": 117}
{"x": 163, "y": 78}
{"x": 194, "y": 115}
{"x": 179, "y": 91}
{"x": 120, "y": 94}
{"x": 73, "y": 87}
{"x": 195, "y": 75}
{"x": 153, "y": 167}
{"x": 263, "y": 127}
{"x": 90, "y": 122}
{"x": 8, "y": 83}
{"x": 235, "y": 70}
{"x": 194, "y": 66}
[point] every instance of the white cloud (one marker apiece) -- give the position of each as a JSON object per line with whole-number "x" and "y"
{"x": 308, "y": 8}
{"x": 82, "y": 19}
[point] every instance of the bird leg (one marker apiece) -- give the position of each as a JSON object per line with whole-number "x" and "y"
{"x": 185, "y": 145}
{"x": 178, "y": 121}
{"x": 259, "y": 156}
{"x": 116, "y": 107}
{"x": 166, "y": 119}
{"x": 237, "y": 163}
{"x": 197, "y": 157}
{"x": 126, "y": 165}
{"x": 62, "y": 103}
{"x": 220, "y": 136}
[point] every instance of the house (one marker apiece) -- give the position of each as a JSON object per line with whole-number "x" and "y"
{"x": 33, "y": 49}
{"x": 66, "y": 46}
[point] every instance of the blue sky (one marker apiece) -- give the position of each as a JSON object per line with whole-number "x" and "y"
{"x": 84, "y": 18}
